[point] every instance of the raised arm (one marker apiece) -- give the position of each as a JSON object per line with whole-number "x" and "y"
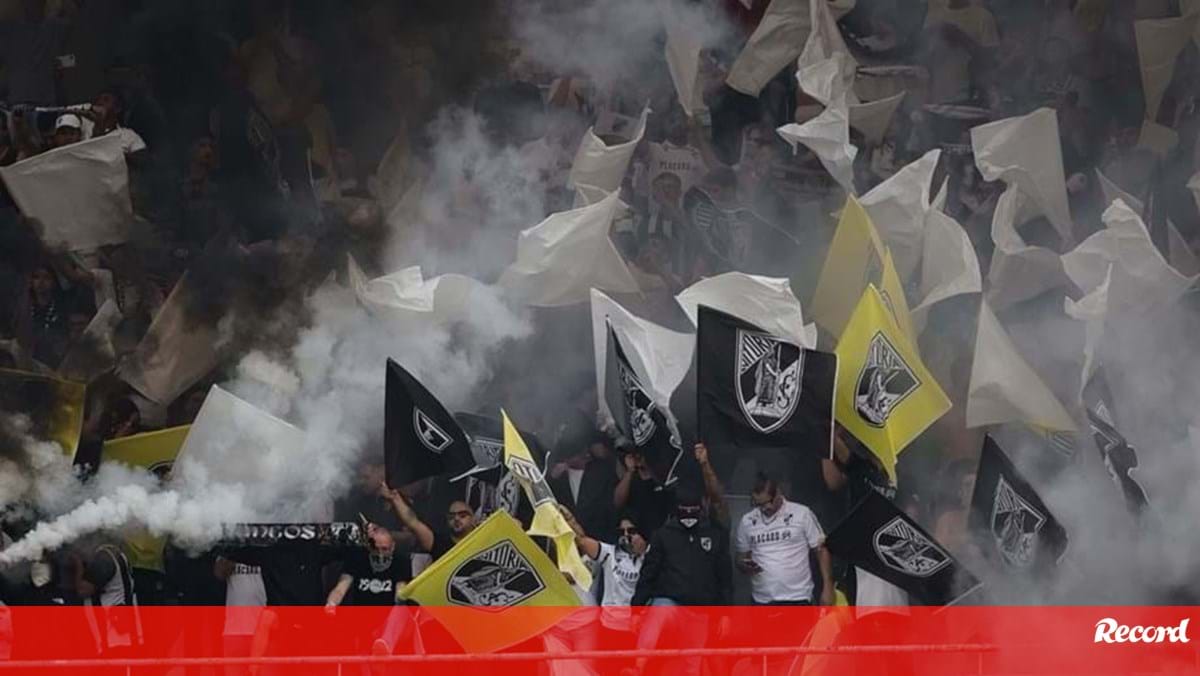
{"x": 404, "y": 511}
{"x": 712, "y": 485}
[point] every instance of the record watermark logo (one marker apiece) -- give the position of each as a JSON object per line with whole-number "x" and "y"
{"x": 1109, "y": 630}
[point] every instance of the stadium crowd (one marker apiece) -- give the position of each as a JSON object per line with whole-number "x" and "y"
{"x": 266, "y": 140}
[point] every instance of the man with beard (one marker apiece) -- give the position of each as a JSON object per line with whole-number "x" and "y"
{"x": 459, "y": 519}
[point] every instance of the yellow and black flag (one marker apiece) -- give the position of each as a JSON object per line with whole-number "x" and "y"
{"x": 493, "y": 569}
{"x": 855, "y": 259}
{"x": 885, "y": 395}
{"x": 154, "y": 452}
{"x": 54, "y": 406}
{"x": 548, "y": 521}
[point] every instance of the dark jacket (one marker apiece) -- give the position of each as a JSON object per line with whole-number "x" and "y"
{"x": 689, "y": 566}
{"x": 594, "y": 508}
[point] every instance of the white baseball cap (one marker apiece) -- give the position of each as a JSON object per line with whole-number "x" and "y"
{"x": 68, "y": 120}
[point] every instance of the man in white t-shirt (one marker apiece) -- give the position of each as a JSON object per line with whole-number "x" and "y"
{"x": 773, "y": 542}
{"x": 621, "y": 566}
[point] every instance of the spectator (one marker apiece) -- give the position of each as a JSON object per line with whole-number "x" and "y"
{"x": 460, "y": 519}
{"x": 372, "y": 577}
{"x": 773, "y": 544}
{"x": 621, "y": 566}
{"x": 687, "y": 564}
{"x": 638, "y": 493}
{"x": 103, "y": 580}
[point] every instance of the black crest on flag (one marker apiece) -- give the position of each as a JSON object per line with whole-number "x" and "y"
{"x": 768, "y": 377}
{"x": 885, "y": 380}
{"x": 638, "y": 404}
{"x": 432, "y": 436}
{"x": 1015, "y": 525}
{"x": 498, "y": 577}
{"x": 528, "y": 472}
{"x": 906, "y": 549}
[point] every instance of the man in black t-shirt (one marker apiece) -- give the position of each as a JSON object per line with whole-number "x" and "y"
{"x": 460, "y": 520}
{"x": 371, "y": 577}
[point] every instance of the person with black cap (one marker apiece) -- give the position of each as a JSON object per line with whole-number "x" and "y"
{"x": 687, "y": 564}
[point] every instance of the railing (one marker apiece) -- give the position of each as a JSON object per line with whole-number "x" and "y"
{"x": 765, "y": 654}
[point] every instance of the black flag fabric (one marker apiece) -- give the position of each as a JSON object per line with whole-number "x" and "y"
{"x": 1009, "y": 519}
{"x": 756, "y": 391}
{"x": 420, "y": 438}
{"x": 638, "y": 418}
{"x": 1119, "y": 457}
{"x": 884, "y": 541}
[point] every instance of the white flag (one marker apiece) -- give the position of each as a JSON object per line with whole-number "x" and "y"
{"x": 776, "y": 42}
{"x": 1025, "y": 151}
{"x": 560, "y": 260}
{"x": 663, "y": 356}
{"x": 234, "y": 443}
{"x": 824, "y": 42}
{"x": 682, "y": 52}
{"x": 873, "y": 119}
{"x": 828, "y": 134}
{"x": 898, "y": 208}
{"x": 1180, "y": 253}
{"x": 1159, "y": 42}
{"x": 1113, "y": 192}
{"x": 1004, "y": 388}
{"x": 1018, "y": 271}
{"x": 405, "y": 294}
{"x": 949, "y": 266}
{"x": 1146, "y": 278}
{"x": 766, "y": 302}
{"x": 1092, "y": 310}
{"x": 175, "y": 352}
{"x": 94, "y": 353}
{"x": 79, "y": 193}
{"x": 602, "y": 166}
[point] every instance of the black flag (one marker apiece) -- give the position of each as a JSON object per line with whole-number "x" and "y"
{"x": 756, "y": 391}
{"x": 420, "y": 438}
{"x": 1120, "y": 459}
{"x": 486, "y": 436}
{"x": 1008, "y": 517}
{"x": 640, "y": 420}
{"x": 879, "y": 538}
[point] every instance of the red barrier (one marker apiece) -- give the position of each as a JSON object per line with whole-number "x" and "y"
{"x": 725, "y": 641}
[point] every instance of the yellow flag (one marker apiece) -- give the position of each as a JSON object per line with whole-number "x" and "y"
{"x": 154, "y": 452}
{"x": 495, "y": 568}
{"x": 548, "y": 521}
{"x": 892, "y": 293}
{"x": 55, "y": 406}
{"x": 855, "y": 259}
{"x": 885, "y": 395}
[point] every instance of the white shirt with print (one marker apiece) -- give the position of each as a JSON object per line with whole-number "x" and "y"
{"x": 621, "y": 572}
{"x": 780, "y": 545}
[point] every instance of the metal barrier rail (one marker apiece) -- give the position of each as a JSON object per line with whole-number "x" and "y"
{"x": 764, "y": 653}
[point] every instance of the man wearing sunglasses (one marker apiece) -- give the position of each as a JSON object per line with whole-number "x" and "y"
{"x": 773, "y": 542}
{"x": 622, "y": 566}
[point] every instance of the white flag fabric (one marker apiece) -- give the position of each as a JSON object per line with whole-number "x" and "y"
{"x": 1004, "y": 388}
{"x": 1179, "y": 252}
{"x": 1146, "y": 279}
{"x": 874, "y": 118}
{"x": 661, "y": 355}
{"x": 949, "y": 266}
{"x": 79, "y": 193}
{"x": 766, "y": 302}
{"x": 1025, "y": 151}
{"x": 898, "y": 208}
{"x": 682, "y": 53}
{"x": 824, "y": 42}
{"x": 174, "y": 354}
{"x": 560, "y": 260}
{"x": 1159, "y": 42}
{"x": 234, "y": 443}
{"x": 1092, "y": 310}
{"x": 1018, "y": 271}
{"x": 1113, "y": 192}
{"x": 405, "y": 294}
{"x": 602, "y": 166}
{"x": 828, "y": 134}
{"x": 776, "y": 42}
{"x": 95, "y": 353}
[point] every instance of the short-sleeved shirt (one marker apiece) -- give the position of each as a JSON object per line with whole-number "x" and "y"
{"x": 442, "y": 543}
{"x": 376, "y": 588}
{"x": 621, "y": 572}
{"x": 780, "y": 546}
